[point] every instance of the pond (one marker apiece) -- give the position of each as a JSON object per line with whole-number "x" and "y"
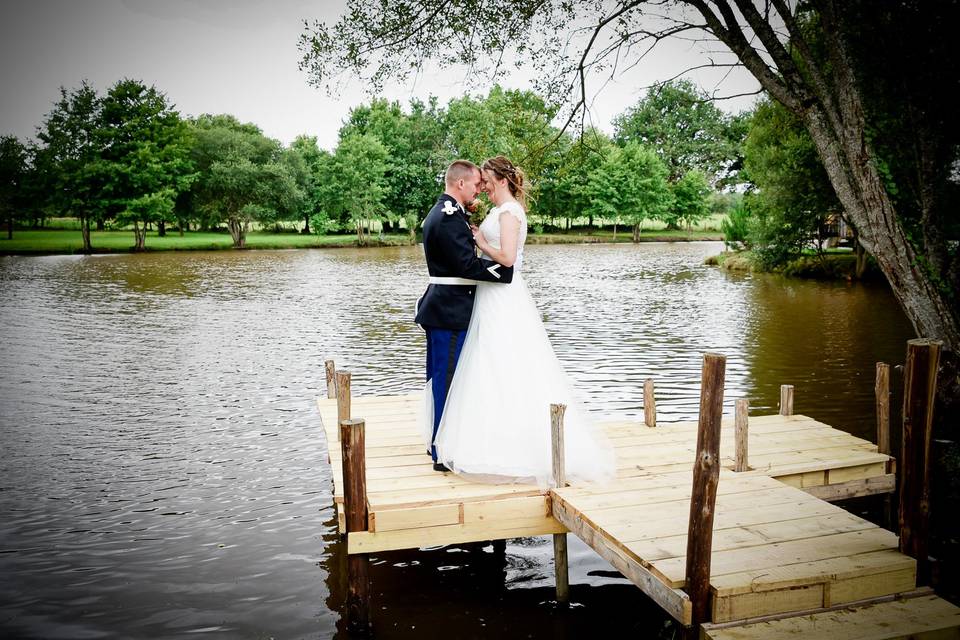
{"x": 164, "y": 471}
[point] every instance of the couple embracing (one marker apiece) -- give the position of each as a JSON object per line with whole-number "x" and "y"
{"x": 491, "y": 371}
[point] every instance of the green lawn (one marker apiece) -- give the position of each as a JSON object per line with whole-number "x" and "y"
{"x": 68, "y": 241}
{"x": 55, "y": 241}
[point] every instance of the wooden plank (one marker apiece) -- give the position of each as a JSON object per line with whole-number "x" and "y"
{"x": 922, "y": 618}
{"x": 886, "y": 483}
{"x": 785, "y": 553}
{"x": 805, "y": 573}
{"x": 524, "y": 507}
{"x": 762, "y": 533}
{"x": 417, "y": 518}
{"x": 793, "y": 599}
{"x": 747, "y": 605}
{"x": 673, "y": 601}
{"x": 371, "y": 542}
{"x": 870, "y": 586}
{"x": 472, "y": 492}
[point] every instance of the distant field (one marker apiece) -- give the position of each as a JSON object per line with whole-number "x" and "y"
{"x": 62, "y": 235}
{"x": 70, "y": 241}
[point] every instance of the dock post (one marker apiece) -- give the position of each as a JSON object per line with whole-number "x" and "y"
{"x": 331, "y": 370}
{"x": 786, "y": 399}
{"x": 882, "y": 391}
{"x": 703, "y": 498}
{"x": 919, "y": 390}
{"x": 342, "y": 392}
{"x": 352, "y": 445}
{"x": 649, "y": 404}
{"x": 559, "y": 480}
{"x": 741, "y": 425}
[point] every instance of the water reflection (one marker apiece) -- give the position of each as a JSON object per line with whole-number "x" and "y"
{"x": 163, "y": 469}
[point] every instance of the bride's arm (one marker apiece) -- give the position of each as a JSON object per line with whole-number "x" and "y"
{"x": 509, "y": 234}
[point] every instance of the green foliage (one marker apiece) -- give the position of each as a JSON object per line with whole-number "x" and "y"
{"x": 144, "y": 155}
{"x": 736, "y": 227}
{"x": 68, "y": 161}
{"x": 793, "y": 196}
{"x": 243, "y": 176}
{"x": 415, "y": 160}
{"x": 631, "y": 185}
{"x": 687, "y": 130}
{"x": 360, "y": 165}
{"x": 691, "y": 199}
{"x": 14, "y": 173}
{"x": 564, "y": 187}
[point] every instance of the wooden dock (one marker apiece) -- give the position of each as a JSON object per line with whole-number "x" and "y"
{"x": 780, "y": 547}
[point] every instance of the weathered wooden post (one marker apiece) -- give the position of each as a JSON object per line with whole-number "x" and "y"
{"x": 786, "y": 399}
{"x": 882, "y": 391}
{"x": 919, "y": 389}
{"x": 740, "y": 427}
{"x": 706, "y": 476}
{"x": 343, "y": 396}
{"x": 560, "y": 568}
{"x": 355, "y": 510}
{"x": 649, "y": 404}
{"x": 331, "y": 370}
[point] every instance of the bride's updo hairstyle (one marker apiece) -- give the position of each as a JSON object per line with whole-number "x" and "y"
{"x": 502, "y": 168}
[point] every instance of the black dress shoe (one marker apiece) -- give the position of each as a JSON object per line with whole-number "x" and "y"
{"x": 439, "y": 466}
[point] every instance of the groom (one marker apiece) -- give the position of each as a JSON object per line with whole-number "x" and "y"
{"x": 444, "y": 310}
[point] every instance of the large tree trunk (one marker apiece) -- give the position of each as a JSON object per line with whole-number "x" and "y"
{"x": 830, "y": 106}
{"x": 853, "y": 174}
{"x": 636, "y": 232}
{"x": 161, "y": 228}
{"x": 10, "y": 227}
{"x": 306, "y": 224}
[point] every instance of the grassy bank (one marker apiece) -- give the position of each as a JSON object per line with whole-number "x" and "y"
{"x": 58, "y": 241}
{"x": 68, "y": 241}
{"x": 838, "y": 265}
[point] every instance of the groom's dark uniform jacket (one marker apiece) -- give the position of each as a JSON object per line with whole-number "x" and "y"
{"x": 451, "y": 253}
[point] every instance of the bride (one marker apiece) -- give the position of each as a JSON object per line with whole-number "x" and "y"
{"x": 495, "y": 425}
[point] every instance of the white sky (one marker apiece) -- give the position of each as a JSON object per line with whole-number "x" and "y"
{"x": 238, "y": 57}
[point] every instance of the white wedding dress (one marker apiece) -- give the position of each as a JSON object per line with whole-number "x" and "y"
{"x": 496, "y": 422}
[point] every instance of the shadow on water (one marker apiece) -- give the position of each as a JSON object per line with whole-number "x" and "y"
{"x": 163, "y": 469}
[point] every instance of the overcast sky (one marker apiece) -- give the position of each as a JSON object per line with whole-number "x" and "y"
{"x": 238, "y": 57}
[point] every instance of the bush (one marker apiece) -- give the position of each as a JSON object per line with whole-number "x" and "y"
{"x": 736, "y": 227}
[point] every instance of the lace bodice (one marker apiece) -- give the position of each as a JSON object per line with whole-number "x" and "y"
{"x": 491, "y": 228}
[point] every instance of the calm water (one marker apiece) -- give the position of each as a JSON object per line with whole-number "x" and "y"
{"x": 162, "y": 468}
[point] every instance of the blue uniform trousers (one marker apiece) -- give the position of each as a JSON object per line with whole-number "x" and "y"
{"x": 443, "y": 352}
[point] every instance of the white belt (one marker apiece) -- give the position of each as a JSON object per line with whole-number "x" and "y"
{"x": 451, "y": 280}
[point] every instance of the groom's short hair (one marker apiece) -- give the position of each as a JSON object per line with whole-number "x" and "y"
{"x": 459, "y": 170}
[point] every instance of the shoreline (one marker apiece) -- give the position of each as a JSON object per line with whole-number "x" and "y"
{"x": 53, "y": 242}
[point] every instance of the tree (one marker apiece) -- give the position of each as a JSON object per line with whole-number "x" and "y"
{"x": 360, "y": 165}
{"x": 416, "y": 155}
{"x": 840, "y": 67}
{"x": 567, "y": 166}
{"x": 69, "y": 158}
{"x": 13, "y": 175}
{"x": 241, "y": 179}
{"x": 630, "y": 184}
{"x": 304, "y": 158}
{"x": 793, "y": 197}
{"x": 145, "y": 160}
{"x": 686, "y": 129}
{"x": 691, "y": 199}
